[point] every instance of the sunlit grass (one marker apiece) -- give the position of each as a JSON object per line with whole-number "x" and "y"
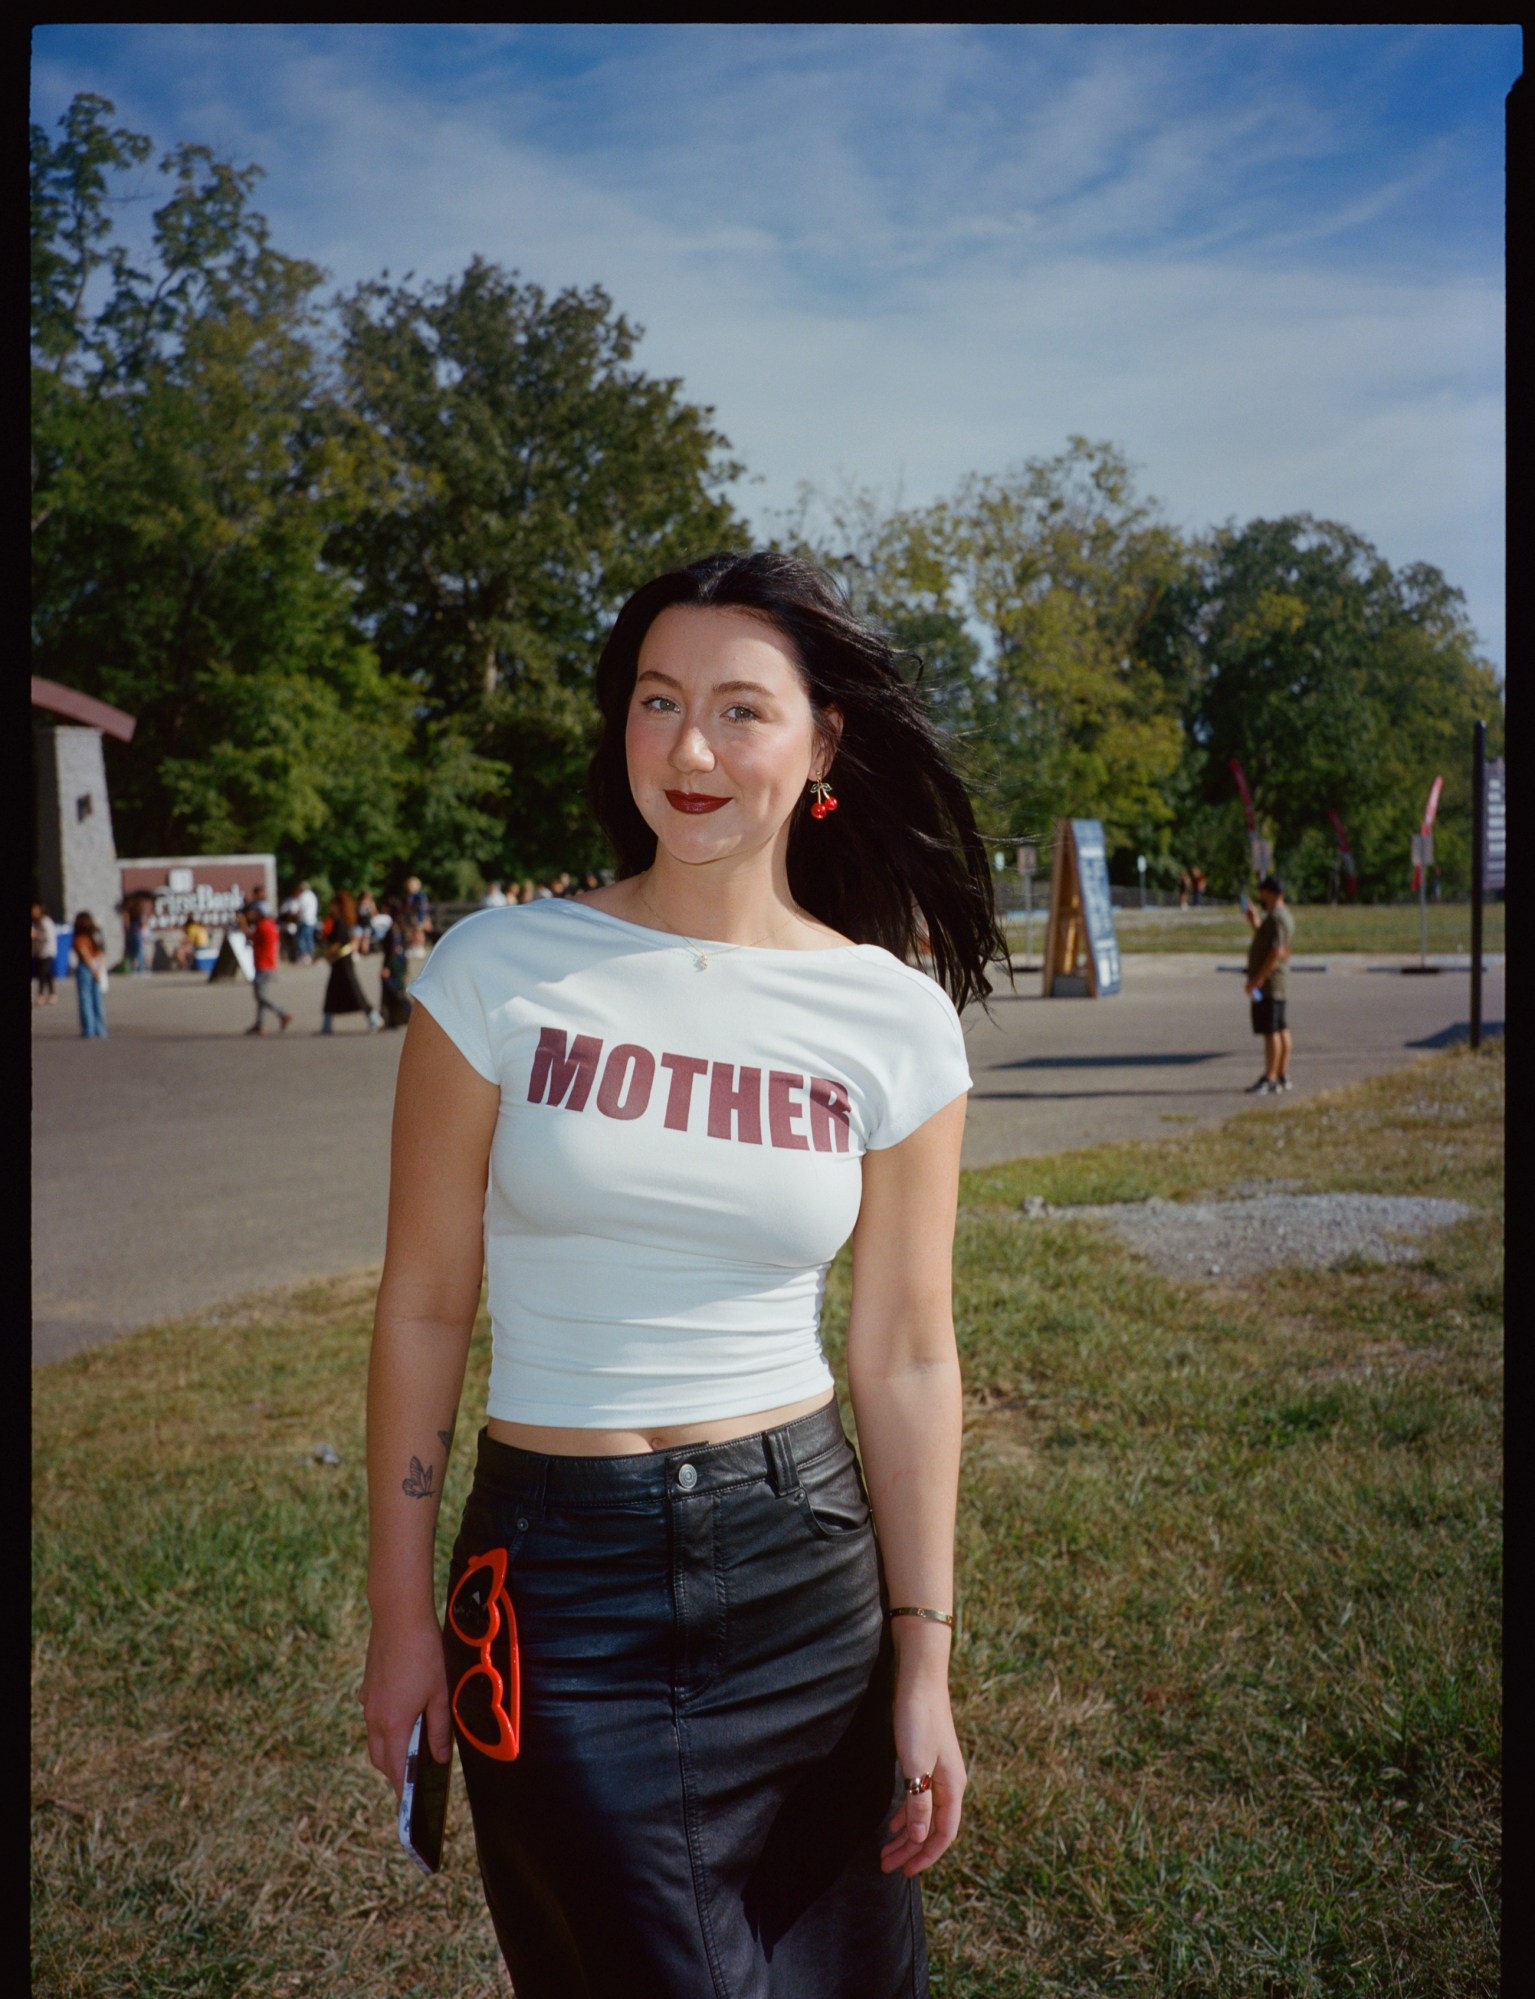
{"x": 1229, "y": 1583}
{"x": 1390, "y": 929}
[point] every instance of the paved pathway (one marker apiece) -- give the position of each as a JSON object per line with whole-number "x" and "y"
{"x": 181, "y": 1163}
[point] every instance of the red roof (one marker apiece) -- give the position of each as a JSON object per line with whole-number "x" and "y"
{"x": 75, "y": 707}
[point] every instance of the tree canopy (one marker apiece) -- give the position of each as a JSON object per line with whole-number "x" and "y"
{"x": 185, "y": 480}
{"x": 1341, "y": 686}
{"x": 349, "y": 566}
{"x": 350, "y": 562}
{"x": 534, "y": 478}
{"x": 1096, "y": 663}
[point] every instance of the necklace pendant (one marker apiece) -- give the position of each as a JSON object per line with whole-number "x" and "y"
{"x": 700, "y": 963}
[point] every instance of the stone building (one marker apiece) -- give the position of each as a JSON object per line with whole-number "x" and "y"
{"x": 76, "y": 855}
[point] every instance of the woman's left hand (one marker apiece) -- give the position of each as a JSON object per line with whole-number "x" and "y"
{"x": 927, "y": 1823}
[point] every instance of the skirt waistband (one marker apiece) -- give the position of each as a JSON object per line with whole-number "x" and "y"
{"x": 775, "y": 1454}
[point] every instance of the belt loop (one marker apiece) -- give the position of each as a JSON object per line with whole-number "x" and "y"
{"x": 779, "y": 1452}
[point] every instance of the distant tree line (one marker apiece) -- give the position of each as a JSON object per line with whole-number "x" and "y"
{"x": 349, "y": 561}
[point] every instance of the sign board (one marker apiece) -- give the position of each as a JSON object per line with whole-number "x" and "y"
{"x": 1262, "y": 853}
{"x": 1493, "y": 869}
{"x": 1028, "y": 860}
{"x": 211, "y": 887}
{"x": 1422, "y": 851}
{"x": 1081, "y": 950}
{"x": 235, "y": 959}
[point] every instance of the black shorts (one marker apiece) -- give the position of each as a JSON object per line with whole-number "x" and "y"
{"x": 1268, "y": 1015}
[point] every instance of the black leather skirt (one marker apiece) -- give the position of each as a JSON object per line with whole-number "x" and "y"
{"x": 672, "y": 1683}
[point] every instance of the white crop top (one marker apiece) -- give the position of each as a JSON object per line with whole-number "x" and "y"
{"x": 677, "y": 1157}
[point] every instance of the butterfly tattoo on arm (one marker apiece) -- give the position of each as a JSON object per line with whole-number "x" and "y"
{"x": 419, "y": 1484}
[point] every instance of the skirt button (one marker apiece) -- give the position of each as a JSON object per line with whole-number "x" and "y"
{"x": 687, "y": 1477}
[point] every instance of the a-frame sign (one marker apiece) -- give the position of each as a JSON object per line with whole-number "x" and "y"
{"x": 1081, "y": 951}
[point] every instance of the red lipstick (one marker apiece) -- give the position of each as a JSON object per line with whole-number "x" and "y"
{"x": 694, "y": 801}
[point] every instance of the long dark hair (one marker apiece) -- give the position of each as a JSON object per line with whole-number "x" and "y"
{"x": 900, "y": 863}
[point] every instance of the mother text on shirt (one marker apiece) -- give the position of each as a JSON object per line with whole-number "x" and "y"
{"x": 802, "y": 1113}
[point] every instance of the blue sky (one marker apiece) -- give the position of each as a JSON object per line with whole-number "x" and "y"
{"x": 1266, "y": 262}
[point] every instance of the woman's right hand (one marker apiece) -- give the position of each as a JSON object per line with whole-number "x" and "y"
{"x": 404, "y": 1676}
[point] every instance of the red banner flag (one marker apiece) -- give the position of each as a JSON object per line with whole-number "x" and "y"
{"x": 1429, "y": 811}
{"x": 1345, "y": 852}
{"x": 1247, "y": 797}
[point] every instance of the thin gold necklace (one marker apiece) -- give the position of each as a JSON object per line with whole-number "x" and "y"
{"x": 700, "y": 955}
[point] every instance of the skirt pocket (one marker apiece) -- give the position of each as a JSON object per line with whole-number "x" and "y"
{"x": 832, "y": 1496}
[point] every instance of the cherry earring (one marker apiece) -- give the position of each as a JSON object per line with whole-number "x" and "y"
{"x": 825, "y": 798}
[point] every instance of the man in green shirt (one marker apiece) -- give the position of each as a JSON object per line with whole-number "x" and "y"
{"x": 1268, "y": 961}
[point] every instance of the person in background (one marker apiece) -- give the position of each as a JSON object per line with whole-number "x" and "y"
{"x": 396, "y": 967}
{"x": 45, "y": 949}
{"x": 525, "y": 890}
{"x": 266, "y": 943}
{"x": 90, "y": 955}
{"x": 494, "y": 897}
{"x": 287, "y": 919}
{"x": 362, "y": 929}
{"x": 307, "y": 907}
{"x": 1197, "y": 881}
{"x": 194, "y": 938}
{"x": 418, "y": 905}
{"x": 135, "y": 935}
{"x": 343, "y": 989}
{"x": 1268, "y": 959}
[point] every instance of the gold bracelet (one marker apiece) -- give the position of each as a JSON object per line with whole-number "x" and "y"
{"x": 932, "y": 1616}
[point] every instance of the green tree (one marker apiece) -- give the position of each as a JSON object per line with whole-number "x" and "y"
{"x": 535, "y": 479}
{"x": 1040, "y": 598}
{"x": 1340, "y": 686}
{"x": 896, "y": 570}
{"x": 1065, "y": 567}
{"x": 187, "y": 470}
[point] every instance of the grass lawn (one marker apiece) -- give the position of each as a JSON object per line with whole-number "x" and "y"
{"x": 1228, "y": 1670}
{"x": 1388, "y": 928}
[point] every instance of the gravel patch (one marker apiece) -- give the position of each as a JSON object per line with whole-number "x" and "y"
{"x": 1239, "y": 1238}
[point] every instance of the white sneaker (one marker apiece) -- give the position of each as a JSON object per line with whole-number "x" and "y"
{"x": 1262, "y": 1088}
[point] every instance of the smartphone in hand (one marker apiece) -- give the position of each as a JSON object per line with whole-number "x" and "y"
{"x": 1242, "y": 899}
{"x": 424, "y": 1800}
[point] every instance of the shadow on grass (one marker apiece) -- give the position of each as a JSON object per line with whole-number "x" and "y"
{"x": 1458, "y": 1035}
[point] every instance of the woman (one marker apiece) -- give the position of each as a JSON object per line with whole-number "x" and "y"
{"x": 90, "y": 954}
{"x": 45, "y": 949}
{"x": 721, "y": 1754}
{"x": 194, "y": 938}
{"x": 395, "y": 972}
{"x": 343, "y": 989}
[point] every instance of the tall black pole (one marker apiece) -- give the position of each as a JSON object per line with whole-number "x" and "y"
{"x": 1478, "y": 871}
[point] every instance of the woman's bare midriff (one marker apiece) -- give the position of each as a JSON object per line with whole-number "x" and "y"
{"x": 556, "y": 1443}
